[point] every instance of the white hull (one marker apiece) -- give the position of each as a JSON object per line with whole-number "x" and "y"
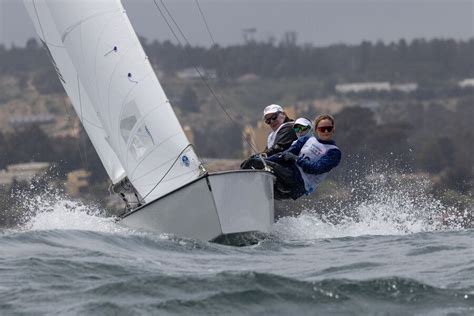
{"x": 212, "y": 206}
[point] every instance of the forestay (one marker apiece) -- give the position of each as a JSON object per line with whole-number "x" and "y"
{"x": 116, "y": 93}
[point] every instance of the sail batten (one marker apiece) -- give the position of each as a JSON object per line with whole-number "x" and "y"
{"x": 124, "y": 105}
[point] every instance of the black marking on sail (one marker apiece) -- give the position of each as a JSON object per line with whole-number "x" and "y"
{"x": 149, "y": 134}
{"x": 115, "y": 49}
{"x": 130, "y": 78}
{"x": 56, "y": 69}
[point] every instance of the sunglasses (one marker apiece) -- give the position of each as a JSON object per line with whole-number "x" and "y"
{"x": 300, "y": 128}
{"x": 325, "y": 129}
{"x": 269, "y": 119}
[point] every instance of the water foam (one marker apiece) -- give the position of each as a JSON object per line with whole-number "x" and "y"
{"x": 391, "y": 205}
{"x": 52, "y": 209}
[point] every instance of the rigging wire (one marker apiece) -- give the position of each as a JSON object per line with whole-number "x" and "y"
{"x": 226, "y": 74}
{"x": 205, "y": 22}
{"x": 168, "y": 171}
{"x": 201, "y": 75}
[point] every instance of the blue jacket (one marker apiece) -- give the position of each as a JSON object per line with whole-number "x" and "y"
{"x": 329, "y": 161}
{"x": 314, "y": 169}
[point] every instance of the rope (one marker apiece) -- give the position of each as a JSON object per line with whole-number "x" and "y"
{"x": 166, "y": 173}
{"x": 201, "y": 76}
{"x": 205, "y": 22}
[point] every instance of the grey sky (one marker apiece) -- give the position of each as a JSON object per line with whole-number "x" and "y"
{"x": 320, "y": 22}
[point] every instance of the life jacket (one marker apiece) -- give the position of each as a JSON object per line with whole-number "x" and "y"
{"x": 313, "y": 150}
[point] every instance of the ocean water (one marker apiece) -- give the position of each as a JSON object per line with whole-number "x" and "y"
{"x": 392, "y": 259}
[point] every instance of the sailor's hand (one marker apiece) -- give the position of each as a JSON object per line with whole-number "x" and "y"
{"x": 259, "y": 156}
{"x": 288, "y": 156}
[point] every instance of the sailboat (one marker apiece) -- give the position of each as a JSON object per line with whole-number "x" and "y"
{"x": 139, "y": 140}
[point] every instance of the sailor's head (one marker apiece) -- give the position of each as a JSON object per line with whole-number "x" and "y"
{"x": 324, "y": 126}
{"x": 302, "y": 126}
{"x": 274, "y": 116}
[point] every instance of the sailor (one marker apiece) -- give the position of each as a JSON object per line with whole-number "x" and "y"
{"x": 303, "y": 166}
{"x": 281, "y": 137}
{"x": 302, "y": 127}
{"x": 282, "y": 134}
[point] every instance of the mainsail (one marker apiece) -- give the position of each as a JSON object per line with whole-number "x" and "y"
{"x": 116, "y": 93}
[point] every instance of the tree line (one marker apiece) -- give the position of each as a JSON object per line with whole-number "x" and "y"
{"x": 419, "y": 60}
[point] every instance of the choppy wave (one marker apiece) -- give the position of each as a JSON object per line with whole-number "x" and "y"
{"x": 97, "y": 272}
{"x": 118, "y": 286}
{"x": 386, "y": 254}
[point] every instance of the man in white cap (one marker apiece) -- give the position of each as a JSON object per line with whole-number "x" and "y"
{"x": 282, "y": 134}
{"x": 280, "y": 138}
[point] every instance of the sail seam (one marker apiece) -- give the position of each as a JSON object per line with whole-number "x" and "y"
{"x": 41, "y": 28}
{"x": 96, "y": 54}
{"x": 71, "y": 28}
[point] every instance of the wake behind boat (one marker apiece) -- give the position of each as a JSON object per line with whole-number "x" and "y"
{"x": 125, "y": 112}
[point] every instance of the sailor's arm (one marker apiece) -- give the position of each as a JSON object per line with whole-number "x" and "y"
{"x": 283, "y": 139}
{"x": 295, "y": 149}
{"x": 327, "y": 162}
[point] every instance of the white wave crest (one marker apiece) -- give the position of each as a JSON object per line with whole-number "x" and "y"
{"x": 391, "y": 206}
{"x": 53, "y": 210}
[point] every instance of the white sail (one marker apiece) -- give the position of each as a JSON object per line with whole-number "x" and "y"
{"x": 129, "y": 102}
{"x": 50, "y": 37}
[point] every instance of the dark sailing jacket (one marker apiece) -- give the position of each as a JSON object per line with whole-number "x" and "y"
{"x": 283, "y": 139}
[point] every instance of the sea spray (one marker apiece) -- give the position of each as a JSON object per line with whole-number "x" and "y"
{"x": 53, "y": 209}
{"x": 381, "y": 204}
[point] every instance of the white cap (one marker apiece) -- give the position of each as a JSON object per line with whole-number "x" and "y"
{"x": 272, "y": 108}
{"x": 303, "y": 121}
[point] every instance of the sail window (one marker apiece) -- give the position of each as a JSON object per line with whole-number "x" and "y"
{"x": 126, "y": 126}
{"x": 128, "y": 119}
{"x": 141, "y": 142}
{"x": 138, "y": 138}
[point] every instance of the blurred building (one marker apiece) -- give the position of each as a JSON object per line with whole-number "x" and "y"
{"x": 249, "y": 77}
{"x": 66, "y": 127}
{"x": 404, "y": 87}
{"x": 466, "y": 83}
{"x": 376, "y": 87}
{"x": 362, "y": 87}
{"x": 195, "y": 73}
{"x": 22, "y": 172}
{"x": 27, "y": 120}
{"x": 77, "y": 180}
